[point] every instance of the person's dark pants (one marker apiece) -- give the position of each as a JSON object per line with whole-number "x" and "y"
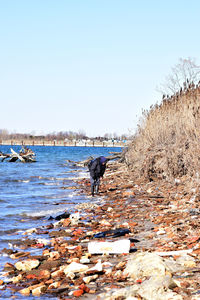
{"x": 94, "y": 185}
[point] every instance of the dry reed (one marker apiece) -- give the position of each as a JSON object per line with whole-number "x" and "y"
{"x": 167, "y": 142}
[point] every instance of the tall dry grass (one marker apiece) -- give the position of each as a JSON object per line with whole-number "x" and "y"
{"x": 167, "y": 142}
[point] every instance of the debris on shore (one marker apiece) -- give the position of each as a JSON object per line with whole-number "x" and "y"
{"x": 159, "y": 225}
{"x": 24, "y": 155}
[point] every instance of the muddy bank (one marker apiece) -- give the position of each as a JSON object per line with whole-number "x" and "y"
{"x": 154, "y": 225}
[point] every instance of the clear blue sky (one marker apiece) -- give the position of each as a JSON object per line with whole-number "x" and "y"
{"x": 89, "y": 65}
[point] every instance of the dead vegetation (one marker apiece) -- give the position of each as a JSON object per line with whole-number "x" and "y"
{"x": 167, "y": 142}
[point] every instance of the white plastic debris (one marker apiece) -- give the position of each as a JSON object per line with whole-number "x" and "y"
{"x": 74, "y": 218}
{"x": 121, "y": 246}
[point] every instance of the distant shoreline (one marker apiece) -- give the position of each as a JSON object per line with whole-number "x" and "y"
{"x": 77, "y": 143}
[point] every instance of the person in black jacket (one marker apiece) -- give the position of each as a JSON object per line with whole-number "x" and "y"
{"x": 97, "y": 168}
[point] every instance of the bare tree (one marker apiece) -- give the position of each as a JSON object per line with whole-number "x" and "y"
{"x": 4, "y": 133}
{"x": 184, "y": 74}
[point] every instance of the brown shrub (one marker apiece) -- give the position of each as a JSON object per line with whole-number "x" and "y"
{"x": 167, "y": 142}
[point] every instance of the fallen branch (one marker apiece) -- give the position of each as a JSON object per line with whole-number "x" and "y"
{"x": 84, "y": 163}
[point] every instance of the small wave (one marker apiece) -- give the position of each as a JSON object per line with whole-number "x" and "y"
{"x": 50, "y": 183}
{"x": 25, "y": 181}
{"x": 61, "y": 178}
{"x": 4, "y": 255}
{"x": 2, "y": 201}
{"x": 17, "y": 180}
{"x": 44, "y": 213}
{"x": 42, "y": 177}
{"x": 80, "y": 175}
{"x": 10, "y": 206}
{"x": 72, "y": 178}
{"x": 72, "y": 194}
{"x": 9, "y": 231}
{"x": 84, "y": 174}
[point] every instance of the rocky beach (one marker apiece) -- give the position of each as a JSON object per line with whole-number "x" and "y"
{"x": 100, "y": 150}
{"x": 138, "y": 240}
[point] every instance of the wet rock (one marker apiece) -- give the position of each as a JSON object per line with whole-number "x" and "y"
{"x": 25, "y": 291}
{"x": 27, "y": 265}
{"x": 74, "y": 259}
{"x": 44, "y": 274}
{"x": 9, "y": 267}
{"x": 54, "y": 255}
{"x": 45, "y": 242}
{"x": 88, "y": 279}
{"x": 75, "y": 268}
{"x": 19, "y": 255}
{"x": 71, "y": 275}
{"x": 49, "y": 265}
{"x": 78, "y": 293}
{"x": 120, "y": 265}
{"x": 109, "y": 209}
{"x": 84, "y": 287}
{"x": 57, "y": 273}
{"x": 30, "y": 231}
{"x": 105, "y": 223}
{"x": 39, "y": 290}
{"x": 117, "y": 274}
{"x": 16, "y": 279}
{"x": 156, "y": 288}
{"x": 145, "y": 264}
{"x": 66, "y": 222}
{"x": 7, "y": 251}
{"x": 54, "y": 285}
{"x": 65, "y": 215}
{"x": 96, "y": 269}
{"x": 186, "y": 261}
{"x": 60, "y": 233}
{"x": 84, "y": 260}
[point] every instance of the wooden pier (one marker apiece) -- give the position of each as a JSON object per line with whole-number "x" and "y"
{"x": 74, "y": 143}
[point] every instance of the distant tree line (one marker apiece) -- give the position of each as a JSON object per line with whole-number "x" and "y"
{"x": 62, "y": 135}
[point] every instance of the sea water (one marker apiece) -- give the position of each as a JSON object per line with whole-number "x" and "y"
{"x": 32, "y": 192}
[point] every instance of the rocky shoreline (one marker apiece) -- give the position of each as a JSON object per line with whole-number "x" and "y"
{"x": 158, "y": 221}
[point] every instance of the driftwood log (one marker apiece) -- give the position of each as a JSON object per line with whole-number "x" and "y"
{"x": 25, "y": 155}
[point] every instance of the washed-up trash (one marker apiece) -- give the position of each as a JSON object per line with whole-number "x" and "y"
{"x": 121, "y": 246}
{"x": 74, "y": 218}
{"x": 134, "y": 240}
{"x": 112, "y": 233}
{"x": 65, "y": 215}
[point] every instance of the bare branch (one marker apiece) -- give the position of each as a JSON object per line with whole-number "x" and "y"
{"x": 183, "y": 74}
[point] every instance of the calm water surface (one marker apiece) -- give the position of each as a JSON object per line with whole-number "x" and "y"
{"x": 32, "y": 190}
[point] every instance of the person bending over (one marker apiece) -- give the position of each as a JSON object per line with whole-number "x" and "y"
{"x": 97, "y": 168}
